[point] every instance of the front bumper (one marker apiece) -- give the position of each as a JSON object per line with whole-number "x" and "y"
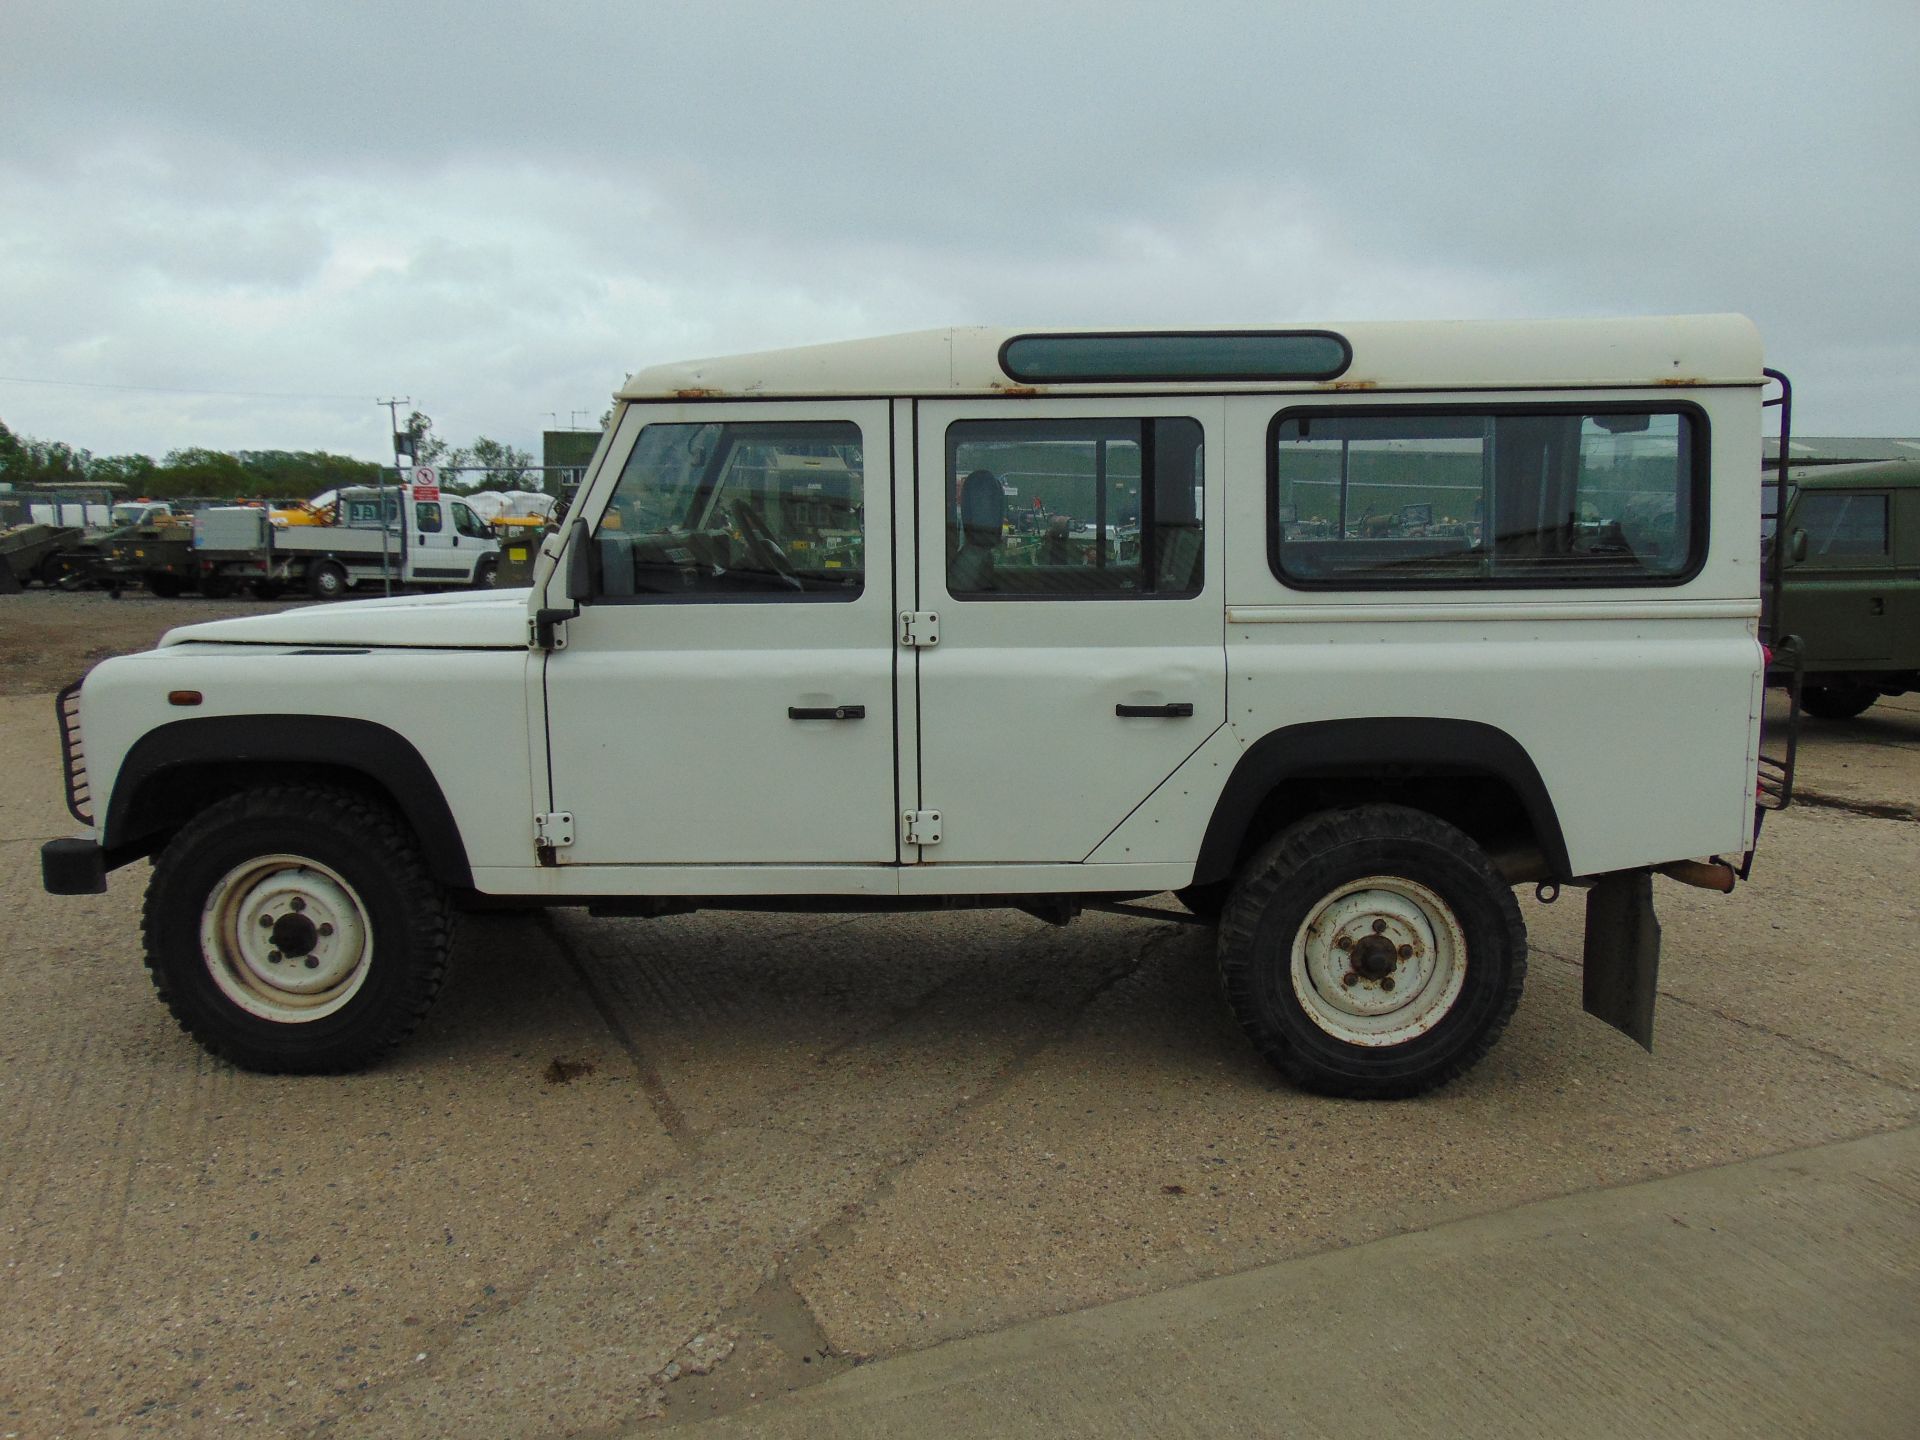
{"x": 73, "y": 867}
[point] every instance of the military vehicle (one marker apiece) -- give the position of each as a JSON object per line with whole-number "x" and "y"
{"x": 1850, "y": 583}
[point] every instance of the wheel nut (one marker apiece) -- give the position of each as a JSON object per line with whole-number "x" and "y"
{"x": 313, "y": 962}
{"x": 326, "y": 929}
{"x": 298, "y": 903}
{"x": 1379, "y": 927}
{"x": 266, "y": 922}
{"x": 1386, "y": 981}
{"x": 273, "y": 957}
{"x": 1349, "y": 978}
{"x": 1345, "y": 942}
{"x": 1406, "y": 952}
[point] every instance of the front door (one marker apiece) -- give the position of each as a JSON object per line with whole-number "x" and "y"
{"x": 1070, "y": 552}
{"x": 726, "y": 696}
{"x": 1838, "y": 596}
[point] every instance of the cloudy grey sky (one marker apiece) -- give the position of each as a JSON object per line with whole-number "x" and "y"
{"x": 259, "y": 217}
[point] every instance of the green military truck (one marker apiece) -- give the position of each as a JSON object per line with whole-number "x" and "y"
{"x": 1850, "y": 584}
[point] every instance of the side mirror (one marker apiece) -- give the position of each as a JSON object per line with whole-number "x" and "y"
{"x": 1797, "y": 546}
{"x": 580, "y": 558}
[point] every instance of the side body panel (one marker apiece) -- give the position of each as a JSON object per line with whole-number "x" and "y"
{"x": 1636, "y": 706}
{"x": 462, "y": 711}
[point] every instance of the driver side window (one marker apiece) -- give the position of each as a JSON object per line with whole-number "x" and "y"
{"x": 735, "y": 510}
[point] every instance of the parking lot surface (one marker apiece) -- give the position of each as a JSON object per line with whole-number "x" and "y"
{"x": 636, "y": 1174}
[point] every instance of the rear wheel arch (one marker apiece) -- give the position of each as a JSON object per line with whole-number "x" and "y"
{"x": 1473, "y": 775}
{"x": 175, "y": 771}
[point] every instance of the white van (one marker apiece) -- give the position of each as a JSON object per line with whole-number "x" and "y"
{"x": 1339, "y": 633}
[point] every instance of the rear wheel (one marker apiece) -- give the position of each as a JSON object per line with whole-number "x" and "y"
{"x": 1837, "y": 702}
{"x": 267, "y": 589}
{"x": 164, "y": 586}
{"x": 296, "y": 929}
{"x": 327, "y": 580}
{"x": 216, "y": 587}
{"x": 1372, "y": 952}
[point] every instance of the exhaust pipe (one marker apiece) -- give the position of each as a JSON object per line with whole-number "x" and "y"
{"x": 1703, "y": 874}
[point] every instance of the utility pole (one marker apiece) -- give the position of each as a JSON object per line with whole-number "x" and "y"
{"x": 393, "y": 414}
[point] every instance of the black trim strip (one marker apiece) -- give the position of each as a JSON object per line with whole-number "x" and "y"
{"x": 1700, "y": 450}
{"x": 165, "y": 773}
{"x": 1376, "y": 748}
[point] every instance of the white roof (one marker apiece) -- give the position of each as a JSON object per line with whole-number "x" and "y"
{"x": 1675, "y": 350}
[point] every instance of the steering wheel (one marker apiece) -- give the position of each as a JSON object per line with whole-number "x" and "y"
{"x": 761, "y": 546}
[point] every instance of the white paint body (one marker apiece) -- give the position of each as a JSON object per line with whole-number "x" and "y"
{"x": 662, "y": 730}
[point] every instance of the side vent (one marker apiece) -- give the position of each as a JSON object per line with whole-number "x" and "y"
{"x": 73, "y": 754}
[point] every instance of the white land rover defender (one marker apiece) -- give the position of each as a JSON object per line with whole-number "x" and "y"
{"x": 1340, "y": 634}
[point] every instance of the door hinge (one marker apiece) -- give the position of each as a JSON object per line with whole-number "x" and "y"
{"x": 919, "y": 629}
{"x": 554, "y": 830}
{"x": 922, "y": 827}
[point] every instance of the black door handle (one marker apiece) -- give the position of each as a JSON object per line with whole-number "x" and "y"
{"x": 828, "y": 712}
{"x": 1179, "y": 710}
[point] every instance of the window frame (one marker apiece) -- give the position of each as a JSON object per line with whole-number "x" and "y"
{"x": 715, "y": 471}
{"x": 1878, "y": 559}
{"x": 1700, "y": 450}
{"x": 950, "y": 481}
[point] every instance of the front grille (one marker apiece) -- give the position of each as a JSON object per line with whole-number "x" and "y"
{"x": 73, "y": 754}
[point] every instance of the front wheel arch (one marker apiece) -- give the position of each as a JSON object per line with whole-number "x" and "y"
{"x": 177, "y": 770}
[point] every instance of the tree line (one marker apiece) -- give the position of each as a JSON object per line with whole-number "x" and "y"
{"x": 255, "y": 474}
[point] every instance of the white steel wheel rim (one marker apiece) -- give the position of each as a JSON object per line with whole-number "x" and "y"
{"x": 1378, "y": 961}
{"x": 286, "y": 939}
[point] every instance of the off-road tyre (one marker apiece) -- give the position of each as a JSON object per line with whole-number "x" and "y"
{"x": 162, "y": 586}
{"x": 1837, "y": 702}
{"x": 342, "y": 844}
{"x": 1266, "y": 951}
{"x": 327, "y": 581}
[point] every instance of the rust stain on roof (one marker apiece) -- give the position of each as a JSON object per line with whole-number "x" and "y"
{"x": 698, "y": 392}
{"x": 1673, "y": 380}
{"x": 1352, "y": 385}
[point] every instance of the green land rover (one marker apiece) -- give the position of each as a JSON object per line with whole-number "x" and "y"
{"x": 1851, "y": 585}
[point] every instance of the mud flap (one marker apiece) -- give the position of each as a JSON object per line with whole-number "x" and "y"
{"x": 1622, "y": 960}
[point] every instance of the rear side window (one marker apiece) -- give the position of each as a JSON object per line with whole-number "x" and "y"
{"x": 1535, "y": 496}
{"x": 1843, "y": 527}
{"x": 1095, "y": 509}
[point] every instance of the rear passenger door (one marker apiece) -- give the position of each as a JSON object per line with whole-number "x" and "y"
{"x": 1070, "y": 551}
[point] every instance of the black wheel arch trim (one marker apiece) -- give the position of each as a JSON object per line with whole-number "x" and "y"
{"x": 135, "y": 816}
{"x": 1415, "y": 745}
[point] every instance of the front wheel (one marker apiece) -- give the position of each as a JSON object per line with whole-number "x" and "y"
{"x": 295, "y": 929}
{"x": 486, "y": 574}
{"x": 1373, "y": 952}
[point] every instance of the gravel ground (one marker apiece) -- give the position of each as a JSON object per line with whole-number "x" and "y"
{"x": 51, "y": 637}
{"x": 668, "y": 1168}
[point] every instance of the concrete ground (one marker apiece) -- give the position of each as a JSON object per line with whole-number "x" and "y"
{"x": 794, "y": 1175}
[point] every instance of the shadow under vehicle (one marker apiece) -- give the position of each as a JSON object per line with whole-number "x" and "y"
{"x": 1850, "y": 583}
